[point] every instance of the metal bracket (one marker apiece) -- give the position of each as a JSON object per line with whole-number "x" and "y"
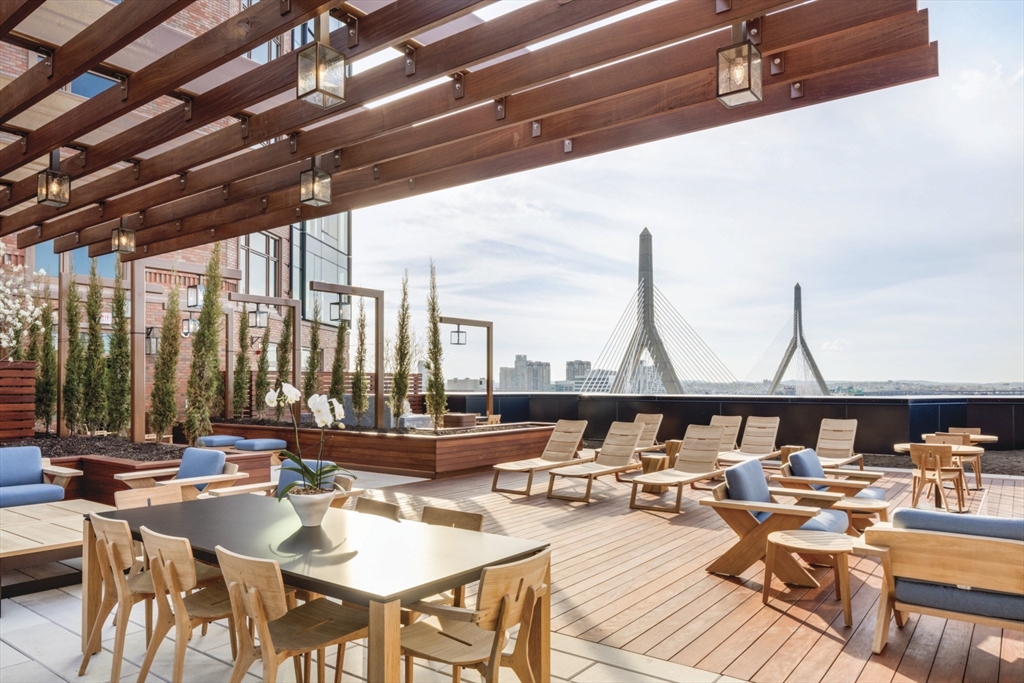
{"x": 796, "y": 90}
{"x": 47, "y": 61}
{"x": 298, "y": 212}
{"x": 81, "y": 151}
{"x": 752, "y": 30}
{"x": 337, "y": 158}
{"x": 177, "y": 224}
{"x": 181, "y": 179}
{"x": 244, "y": 123}
{"x": 39, "y": 232}
{"x": 5, "y": 192}
{"x": 410, "y": 60}
{"x": 286, "y": 6}
{"x": 78, "y": 238}
{"x": 535, "y": 129}
{"x": 188, "y": 107}
{"x": 722, "y": 6}
{"x": 567, "y": 145}
{"x": 137, "y": 167}
{"x": 499, "y": 109}
{"x": 101, "y": 205}
{"x": 24, "y": 143}
{"x": 457, "y": 86}
{"x": 778, "y": 64}
{"x": 263, "y": 201}
{"x": 352, "y": 22}
{"x": 145, "y": 248}
{"x": 376, "y": 172}
{"x": 124, "y": 86}
{"x": 225, "y": 191}
{"x": 293, "y": 142}
{"x": 412, "y": 183}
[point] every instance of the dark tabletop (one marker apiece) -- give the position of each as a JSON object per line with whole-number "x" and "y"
{"x": 351, "y": 556}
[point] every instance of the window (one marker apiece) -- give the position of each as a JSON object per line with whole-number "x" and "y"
{"x": 320, "y": 252}
{"x": 90, "y": 84}
{"x": 50, "y": 262}
{"x": 271, "y": 352}
{"x": 267, "y": 51}
{"x": 258, "y": 261}
{"x": 305, "y": 359}
{"x": 303, "y": 33}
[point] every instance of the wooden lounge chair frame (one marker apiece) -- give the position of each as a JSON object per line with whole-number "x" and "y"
{"x": 648, "y": 441}
{"x": 852, "y": 482}
{"x": 616, "y": 456}
{"x": 752, "y": 543}
{"x": 730, "y": 425}
{"x": 695, "y": 461}
{"x": 835, "y": 443}
{"x": 758, "y": 442}
{"x": 148, "y": 478}
{"x": 563, "y": 448}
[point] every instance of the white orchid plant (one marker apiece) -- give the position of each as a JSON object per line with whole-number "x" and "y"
{"x": 326, "y": 411}
{"x": 18, "y": 311}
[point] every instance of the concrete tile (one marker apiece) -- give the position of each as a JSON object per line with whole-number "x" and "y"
{"x": 10, "y": 657}
{"x": 17, "y": 617}
{"x": 57, "y": 606}
{"x": 729, "y": 679}
{"x": 200, "y": 666}
{"x": 75, "y": 590}
{"x": 61, "y": 650}
{"x": 30, "y": 672}
{"x": 628, "y": 660}
{"x": 564, "y": 665}
{"x": 603, "y": 673}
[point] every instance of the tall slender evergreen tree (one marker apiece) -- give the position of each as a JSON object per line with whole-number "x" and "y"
{"x": 163, "y": 398}
{"x": 360, "y": 390}
{"x": 284, "y": 357}
{"x": 240, "y": 389}
{"x": 262, "y": 385}
{"x": 338, "y": 367}
{"x": 119, "y": 372}
{"x": 46, "y": 369}
{"x": 94, "y": 385}
{"x": 436, "y": 399}
{"x": 311, "y": 378}
{"x": 75, "y": 365}
{"x": 204, "y": 380}
{"x": 402, "y": 354}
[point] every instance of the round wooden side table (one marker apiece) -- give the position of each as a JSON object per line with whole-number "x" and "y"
{"x": 860, "y": 510}
{"x": 837, "y": 546}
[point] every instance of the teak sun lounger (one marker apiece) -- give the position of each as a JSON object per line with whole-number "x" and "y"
{"x": 561, "y": 449}
{"x": 616, "y": 456}
{"x": 730, "y": 425}
{"x": 694, "y": 462}
{"x": 649, "y": 436}
{"x": 835, "y": 443}
{"x": 758, "y": 441}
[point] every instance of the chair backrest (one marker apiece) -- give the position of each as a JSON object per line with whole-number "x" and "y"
{"x": 201, "y": 462}
{"x": 620, "y": 444}
{"x": 953, "y": 439}
{"x": 471, "y": 521}
{"x": 929, "y": 457}
{"x": 494, "y": 419}
{"x": 171, "y": 559}
{"x": 564, "y": 440}
{"x": 746, "y": 482}
{"x": 699, "y": 451}
{"x": 759, "y": 435}
{"x": 289, "y": 472}
{"x": 964, "y": 430}
{"x": 512, "y": 580}
{"x": 651, "y": 423}
{"x": 380, "y": 508}
{"x": 116, "y": 535}
{"x": 140, "y": 498}
{"x": 835, "y": 439}
{"x": 20, "y": 465}
{"x": 255, "y": 585}
{"x": 730, "y": 425}
{"x": 805, "y": 463}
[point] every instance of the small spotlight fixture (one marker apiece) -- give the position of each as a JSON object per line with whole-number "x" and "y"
{"x": 739, "y": 74}
{"x": 53, "y": 188}
{"x": 314, "y": 185}
{"x": 259, "y": 319}
{"x": 459, "y": 337}
{"x": 321, "y": 69}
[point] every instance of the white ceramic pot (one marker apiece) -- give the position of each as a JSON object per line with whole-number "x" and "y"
{"x": 311, "y": 508}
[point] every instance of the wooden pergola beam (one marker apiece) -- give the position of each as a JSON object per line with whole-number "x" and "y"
{"x": 377, "y": 31}
{"x": 224, "y": 42}
{"x": 108, "y": 34}
{"x": 627, "y": 90}
{"x": 13, "y": 12}
{"x": 900, "y": 68}
{"x": 656, "y": 28}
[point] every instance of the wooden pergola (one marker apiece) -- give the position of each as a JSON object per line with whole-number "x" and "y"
{"x": 491, "y": 102}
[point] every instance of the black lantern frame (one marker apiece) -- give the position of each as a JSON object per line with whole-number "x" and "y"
{"x": 341, "y": 310}
{"x": 459, "y": 336}
{"x": 259, "y": 319}
{"x": 122, "y": 239}
{"x": 739, "y": 74}
{"x": 53, "y": 188}
{"x": 194, "y": 295}
{"x": 320, "y": 77}
{"x": 314, "y": 186}
{"x": 152, "y": 341}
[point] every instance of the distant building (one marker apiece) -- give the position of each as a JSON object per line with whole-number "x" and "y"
{"x": 596, "y": 381}
{"x": 466, "y": 384}
{"x": 566, "y": 385}
{"x": 527, "y": 375}
{"x": 576, "y": 368}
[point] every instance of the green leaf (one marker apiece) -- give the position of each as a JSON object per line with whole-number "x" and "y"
{"x": 284, "y": 491}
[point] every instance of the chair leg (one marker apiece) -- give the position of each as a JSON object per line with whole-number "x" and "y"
{"x": 456, "y": 674}
{"x": 95, "y": 635}
{"x": 882, "y": 622}
{"x": 160, "y": 631}
{"x": 182, "y": 627}
{"x": 321, "y": 665}
{"x": 233, "y": 637}
{"x": 409, "y": 665}
{"x": 307, "y": 667}
{"x": 123, "y": 612}
{"x": 149, "y": 620}
{"x": 915, "y": 491}
{"x": 339, "y": 662}
{"x": 769, "y": 563}
{"x": 297, "y": 659}
{"x": 529, "y": 482}
{"x": 590, "y": 485}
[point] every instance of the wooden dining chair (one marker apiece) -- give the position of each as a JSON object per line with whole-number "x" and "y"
{"x": 139, "y": 498}
{"x": 284, "y": 631}
{"x": 509, "y": 594}
{"x": 964, "y": 430}
{"x": 933, "y": 466}
{"x": 960, "y": 439}
{"x": 380, "y": 508}
{"x": 173, "y": 570}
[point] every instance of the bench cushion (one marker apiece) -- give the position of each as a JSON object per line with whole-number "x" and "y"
{"x": 746, "y": 482}
{"x": 30, "y": 494}
{"x": 833, "y": 521}
{"x": 974, "y": 601}
{"x": 971, "y": 525}
{"x": 20, "y": 465}
{"x": 201, "y": 462}
{"x": 261, "y": 444}
{"x": 218, "y": 440}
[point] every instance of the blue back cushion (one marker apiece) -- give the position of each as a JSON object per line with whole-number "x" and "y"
{"x": 20, "y": 465}
{"x": 805, "y": 463}
{"x": 971, "y": 525}
{"x": 200, "y": 462}
{"x": 746, "y": 482}
{"x": 290, "y": 472}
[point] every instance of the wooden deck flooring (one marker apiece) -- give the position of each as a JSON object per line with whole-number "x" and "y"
{"x": 636, "y": 581}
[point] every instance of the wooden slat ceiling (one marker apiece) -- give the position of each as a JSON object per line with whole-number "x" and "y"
{"x": 645, "y": 77}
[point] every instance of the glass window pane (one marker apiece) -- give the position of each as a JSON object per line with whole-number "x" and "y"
{"x": 258, "y": 242}
{"x": 90, "y": 84}
{"x": 257, "y": 275}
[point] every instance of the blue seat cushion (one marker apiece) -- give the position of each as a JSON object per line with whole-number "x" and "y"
{"x": 974, "y": 601}
{"x": 21, "y": 465}
{"x": 290, "y": 472}
{"x": 970, "y": 525}
{"x": 261, "y": 444}
{"x": 805, "y": 463}
{"x": 833, "y": 521}
{"x": 746, "y": 482}
{"x": 872, "y": 493}
{"x": 218, "y": 440}
{"x": 30, "y": 494}
{"x": 201, "y": 462}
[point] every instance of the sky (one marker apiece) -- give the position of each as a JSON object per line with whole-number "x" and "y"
{"x": 899, "y": 212}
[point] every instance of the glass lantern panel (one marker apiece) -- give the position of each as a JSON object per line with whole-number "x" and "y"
{"x": 307, "y": 67}
{"x": 53, "y": 188}
{"x": 331, "y": 75}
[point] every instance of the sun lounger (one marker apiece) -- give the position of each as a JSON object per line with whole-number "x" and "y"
{"x": 561, "y": 449}
{"x": 649, "y": 436}
{"x": 835, "y": 443}
{"x": 758, "y": 442}
{"x": 730, "y": 425}
{"x": 617, "y": 455}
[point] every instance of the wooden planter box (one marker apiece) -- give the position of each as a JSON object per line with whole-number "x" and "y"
{"x": 98, "y": 483}
{"x": 416, "y": 455}
{"x": 17, "y": 399}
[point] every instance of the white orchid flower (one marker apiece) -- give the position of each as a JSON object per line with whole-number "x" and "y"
{"x": 271, "y": 398}
{"x": 291, "y": 394}
{"x": 339, "y": 410}
{"x": 321, "y": 410}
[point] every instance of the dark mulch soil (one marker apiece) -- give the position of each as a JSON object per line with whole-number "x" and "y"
{"x": 53, "y": 446}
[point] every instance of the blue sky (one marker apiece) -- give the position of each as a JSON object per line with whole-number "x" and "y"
{"x": 900, "y": 212}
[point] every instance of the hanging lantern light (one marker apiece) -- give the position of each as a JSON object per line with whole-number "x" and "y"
{"x": 458, "y": 336}
{"x": 152, "y": 341}
{"x": 194, "y": 295}
{"x": 53, "y": 188}
{"x": 739, "y": 74}
{"x": 341, "y": 309}
{"x": 321, "y": 69}
{"x": 314, "y": 185}
{"x": 258, "y": 318}
{"x": 122, "y": 238}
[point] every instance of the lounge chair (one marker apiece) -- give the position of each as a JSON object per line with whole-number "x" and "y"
{"x": 835, "y": 443}
{"x": 200, "y": 470}
{"x": 27, "y": 478}
{"x": 804, "y": 470}
{"x": 695, "y": 462}
{"x": 758, "y": 442}
{"x": 962, "y": 567}
{"x": 730, "y": 425}
{"x": 561, "y": 449}
{"x": 649, "y": 436}
{"x": 747, "y": 504}
{"x": 617, "y": 455}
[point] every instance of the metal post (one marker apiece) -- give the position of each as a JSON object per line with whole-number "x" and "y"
{"x": 296, "y": 305}
{"x": 137, "y": 283}
{"x": 63, "y": 278}
{"x": 229, "y": 367}
{"x": 489, "y": 326}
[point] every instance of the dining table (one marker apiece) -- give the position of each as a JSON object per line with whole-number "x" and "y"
{"x": 359, "y": 558}
{"x": 957, "y": 449}
{"x": 975, "y": 438}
